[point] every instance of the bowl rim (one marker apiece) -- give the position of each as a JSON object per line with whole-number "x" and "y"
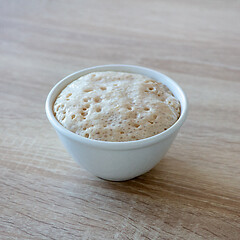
{"x": 107, "y": 144}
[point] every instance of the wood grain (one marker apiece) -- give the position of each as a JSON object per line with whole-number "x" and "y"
{"x": 193, "y": 193}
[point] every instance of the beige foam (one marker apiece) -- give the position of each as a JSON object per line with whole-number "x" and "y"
{"x": 116, "y": 107}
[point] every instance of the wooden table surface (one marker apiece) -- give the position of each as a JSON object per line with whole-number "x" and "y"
{"x": 193, "y": 193}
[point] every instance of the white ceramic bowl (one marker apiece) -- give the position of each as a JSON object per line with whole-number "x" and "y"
{"x": 117, "y": 161}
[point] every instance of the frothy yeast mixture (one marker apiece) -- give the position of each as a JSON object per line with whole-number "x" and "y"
{"x": 116, "y": 107}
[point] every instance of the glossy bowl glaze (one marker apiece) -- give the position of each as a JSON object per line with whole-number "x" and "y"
{"x": 117, "y": 161}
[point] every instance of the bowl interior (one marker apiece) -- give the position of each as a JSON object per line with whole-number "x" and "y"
{"x": 173, "y": 86}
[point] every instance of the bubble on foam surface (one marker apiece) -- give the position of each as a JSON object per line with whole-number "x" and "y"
{"x": 116, "y": 106}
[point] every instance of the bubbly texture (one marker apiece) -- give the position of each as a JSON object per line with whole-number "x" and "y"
{"x": 116, "y": 107}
